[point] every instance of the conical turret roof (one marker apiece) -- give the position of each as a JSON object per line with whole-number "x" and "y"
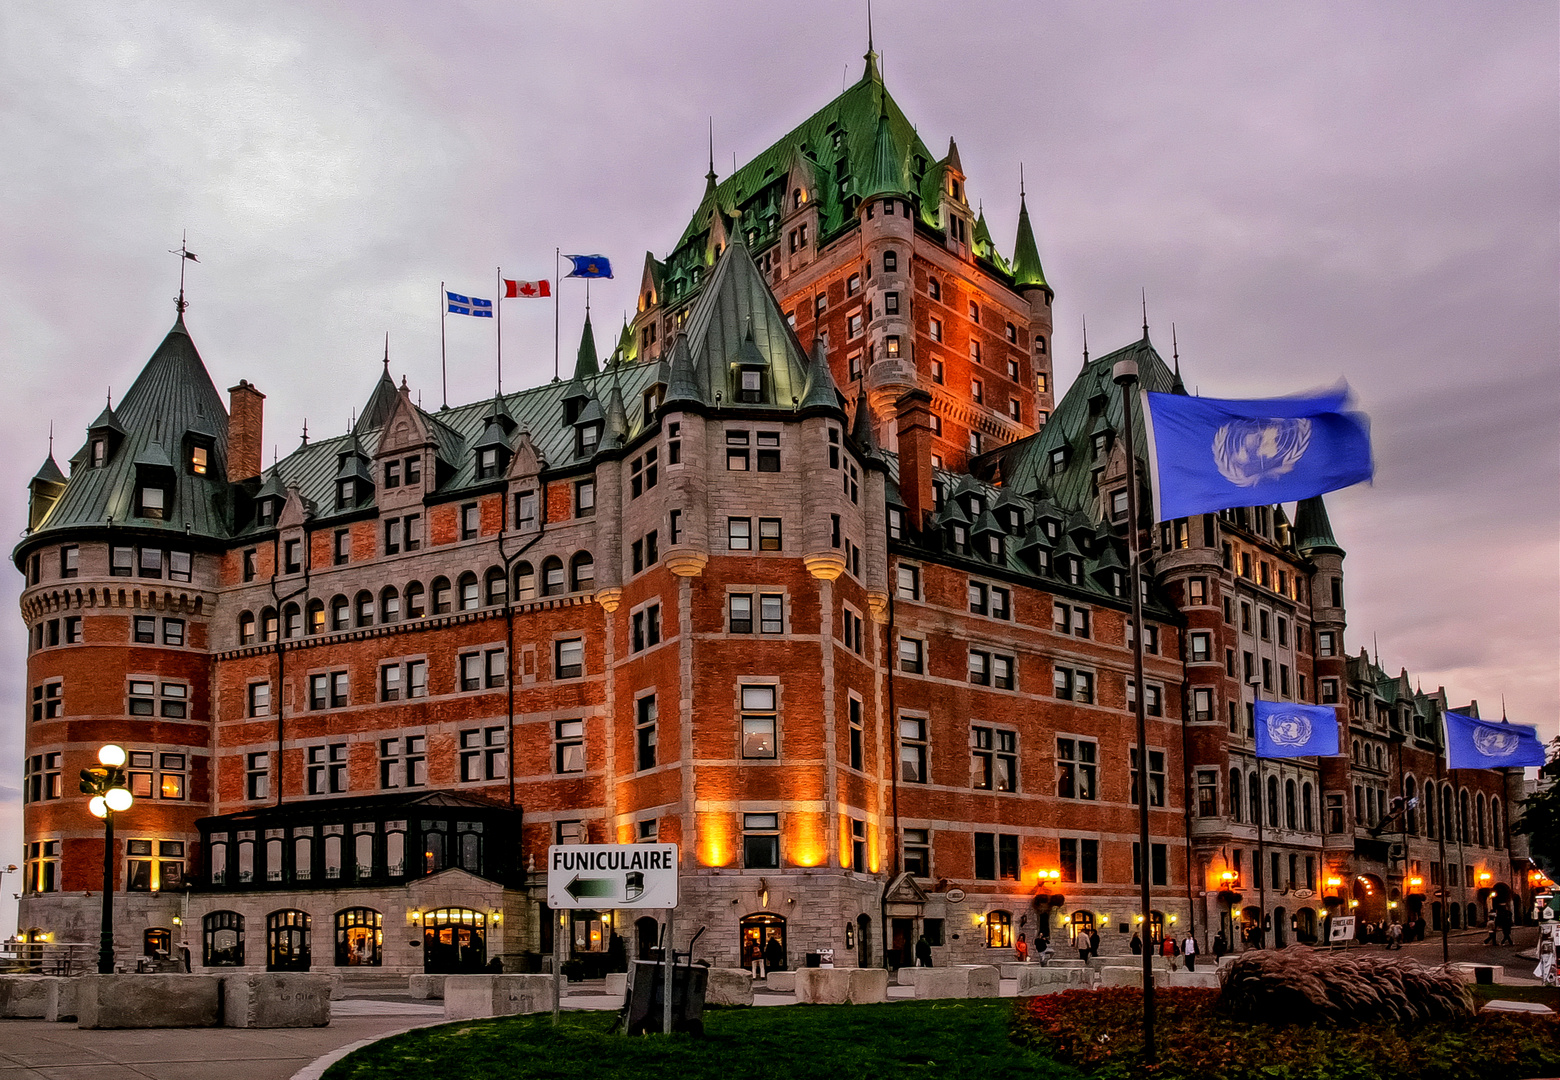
{"x": 49, "y": 471}
{"x": 585, "y": 365}
{"x": 821, "y": 391}
{"x": 885, "y": 173}
{"x": 1027, "y": 270}
{"x": 1313, "y": 530}
{"x": 381, "y": 403}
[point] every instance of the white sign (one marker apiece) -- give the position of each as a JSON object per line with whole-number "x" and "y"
{"x": 1342, "y": 929}
{"x": 611, "y": 876}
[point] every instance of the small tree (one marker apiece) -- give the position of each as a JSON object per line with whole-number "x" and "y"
{"x": 1541, "y": 810}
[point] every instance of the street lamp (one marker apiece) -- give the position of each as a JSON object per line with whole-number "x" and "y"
{"x": 105, "y": 783}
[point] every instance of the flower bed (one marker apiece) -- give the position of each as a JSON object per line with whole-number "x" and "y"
{"x": 1100, "y": 1032}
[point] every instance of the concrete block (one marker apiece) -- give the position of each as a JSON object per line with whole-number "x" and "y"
{"x": 729, "y": 986}
{"x": 1121, "y": 976}
{"x": 426, "y": 987}
{"x": 1039, "y": 980}
{"x": 781, "y": 982}
{"x": 1015, "y": 970}
{"x": 467, "y": 997}
{"x": 1479, "y": 973}
{"x": 1206, "y": 979}
{"x": 276, "y": 999}
{"x": 1518, "y": 1007}
{"x": 23, "y": 997}
{"x": 61, "y": 1006}
{"x": 148, "y": 1001}
{"x": 959, "y": 981}
{"x": 842, "y": 986}
{"x": 617, "y": 984}
{"x": 338, "y": 990}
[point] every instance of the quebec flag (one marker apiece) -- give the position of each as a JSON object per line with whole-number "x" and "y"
{"x": 469, "y": 305}
{"x": 1287, "y": 729}
{"x": 1488, "y": 744}
{"x": 1211, "y": 454}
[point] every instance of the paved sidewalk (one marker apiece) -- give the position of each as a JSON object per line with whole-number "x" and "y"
{"x": 35, "y": 1050}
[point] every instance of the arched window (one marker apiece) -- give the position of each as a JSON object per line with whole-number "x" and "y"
{"x": 1448, "y": 815}
{"x": 1478, "y": 820}
{"x": 582, "y": 572}
{"x": 287, "y": 940}
{"x": 552, "y": 576}
{"x": 364, "y": 605}
{"x": 469, "y": 597}
{"x": 1356, "y": 751}
{"x": 1430, "y": 811}
{"x": 1497, "y": 826}
{"x": 359, "y": 938}
{"x": 1255, "y": 798}
{"x": 390, "y": 604}
{"x": 268, "y": 624}
{"x": 1291, "y": 816}
{"x": 525, "y": 582}
{"x": 890, "y": 261}
{"x": 999, "y": 930}
{"x": 441, "y": 595}
{"x": 496, "y": 586}
{"x": 222, "y": 934}
{"x": 1082, "y": 923}
{"x": 246, "y": 628}
{"x": 1410, "y": 811}
{"x": 1307, "y": 815}
{"x": 292, "y": 621}
{"x": 1235, "y": 803}
{"x": 416, "y": 601}
{"x": 1272, "y": 801}
{"x": 316, "y": 621}
{"x": 1464, "y": 834}
{"x": 340, "y": 613}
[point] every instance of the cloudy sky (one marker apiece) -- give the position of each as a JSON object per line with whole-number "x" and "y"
{"x": 1306, "y": 191}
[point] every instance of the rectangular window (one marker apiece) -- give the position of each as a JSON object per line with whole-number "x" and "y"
{"x": 569, "y": 746}
{"x": 1159, "y": 864}
{"x": 73, "y": 629}
{"x": 1202, "y": 704}
{"x": 739, "y": 534}
{"x": 758, "y": 722}
{"x": 1156, "y": 777}
{"x": 259, "y": 699}
{"x": 917, "y": 853}
{"x": 1074, "y": 685}
{"x": 569, "y": 658}
{"x": 769, "y": 534}
{"x": 1207, "y": 793}
{"x": 769, "y": 451}
{"x": 910, "y": 655}
{"x": 584, "y": 498}
{"x": 856, "y": 733}
{"x": 145, "y": 630}
{"x": 985, "y": 856}
{"x": 761, "y": 841}
{"x": 173, "y": 632}
{"x": 483, "y": 754}
{"x": 1077, "y": 768}
{"x": 909, "y": 582}
{"x": 645, "y": 733}
{"x": 257, "y": 775}
{"x": 912, "y": 750}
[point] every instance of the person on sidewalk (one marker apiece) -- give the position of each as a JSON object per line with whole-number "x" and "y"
{"x": 1503, "y": 921}
{"x": 774, "y": 956}
{"x": 1220, "y": 945}
{"x": 1021, "y": 950}
{"x": 1168, "y": 950}
{"x": 1043, "y": 950}
{"x": 1136, "y": 945}
{"x": 1394, "y": 936}
{"x": 1082, "y": 941}
{"x": 1094, "y": 942}
{"x": 923, "y": 952}
{"x": 1189, "y": 950}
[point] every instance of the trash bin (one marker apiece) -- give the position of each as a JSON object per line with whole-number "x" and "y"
{"x": 645, "y": 1009}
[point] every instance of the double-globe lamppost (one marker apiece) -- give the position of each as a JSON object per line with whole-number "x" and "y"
{"x": 105, "y": 783}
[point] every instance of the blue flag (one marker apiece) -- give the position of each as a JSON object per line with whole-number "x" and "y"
{"x": 589, "y": 266}
{"x": 1287, "y": 729}
{"x": 1490, "y": 744}
{"x": 470, "y": 305}
{"x": 1212, "y": 454}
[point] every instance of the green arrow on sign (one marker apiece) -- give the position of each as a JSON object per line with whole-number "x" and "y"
{"x": 591, "y": 887}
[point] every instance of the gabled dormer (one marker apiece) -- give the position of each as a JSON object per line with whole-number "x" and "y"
{"x": 104, "y": 436}
{"x": 154, "y": 483}
{"x": 492, "y": 451}
{"x": 354, "y": 476}
{"x": 44, "y": 490}
{"x": 269, "y": 499}
{"x": 588, "y": 426}
{"x": 408, "y": 462}
{"x": 751, "y": 380}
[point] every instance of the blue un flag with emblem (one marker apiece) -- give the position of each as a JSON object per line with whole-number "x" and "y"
{"x": 469, "y": 305}
{"x": 1288, "y": 729}
{"x": 1211, "y": 454}
{"x": 1472, "y": 743}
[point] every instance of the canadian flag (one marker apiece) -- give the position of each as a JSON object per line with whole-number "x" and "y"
{"x": 527, "y": 288}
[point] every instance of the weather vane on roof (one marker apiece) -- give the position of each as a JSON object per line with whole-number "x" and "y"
{"x": 185, "y": 255}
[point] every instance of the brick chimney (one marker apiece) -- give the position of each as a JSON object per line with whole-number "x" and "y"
{"x": 245, "y": 410}
{"x": 915, "y": 455}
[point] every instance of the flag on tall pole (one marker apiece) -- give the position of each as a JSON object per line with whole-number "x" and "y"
{"x": 1210, "y": 454}
{"x": 1472, "y": 743}
{"x": 469, "y": 305}
{"x": 526, "y": 289}
{"x": 590, "y": 266}
{"x": 1286, "y": 729}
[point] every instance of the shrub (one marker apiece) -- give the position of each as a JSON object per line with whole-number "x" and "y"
{"x": 1100, "y": 1033}
{"x": 1303, "y": 986}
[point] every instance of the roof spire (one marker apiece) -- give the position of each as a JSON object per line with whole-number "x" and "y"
{"x": 51, "y": 438}
{"x": 387, "y": 350}
{"x": 871, "y": 71}
{"x": 709, "y": 177}
{"x": 1026, "y": 255}
{"x": 305, "y": 431}
{"x": 1176, "y": 386}
{"x": 1145, "y": 314}
{"x": 185, "y": 255}
{"x": 1085, "y": 341}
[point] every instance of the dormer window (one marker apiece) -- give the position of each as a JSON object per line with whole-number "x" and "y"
{"x": 152, "y": 502}
{"x": 994, "y": 547}
{"x": 265, "y": 512}
{"x": 587, "y": 438}
{"x": 487, "y": 463}
{"x": 1101, "y": 445}
{"x": 200, "y": 460}
{"x": 653, "y": 398}
{"x": 414, "y": 470}
{"x": 99, "y": 453}
{"x": 392, "y": 474}
{"x": 1058, "y": 460}
{"x": 346, "y": 494}
{"x": 1118, "y": 505}
{"x": 751, "y": 386}
{"x": 799, "y": 196}
{"x": 959, "y": 537}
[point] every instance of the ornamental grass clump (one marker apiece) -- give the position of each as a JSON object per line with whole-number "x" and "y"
{"x": 1304, "y": 986}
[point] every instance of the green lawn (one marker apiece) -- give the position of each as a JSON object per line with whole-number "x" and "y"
{"x": 948, "y": 1040}
{"x": 1544, "y": 995}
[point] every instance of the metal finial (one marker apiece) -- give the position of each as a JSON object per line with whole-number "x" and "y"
{"x": 1145, "y": 314}
{"x": 1175, "y": 351}
{"x": 1020, "y": 181}
{"x": 51, "y": 438}
{"x": 1085, "y": 341}
{"x": 710, "y": 176}
{"x": 305, "y": 431}
{"x": 185, "y": 255}
{"x": 870, "y": 49}
{"x": 387, "y": 350}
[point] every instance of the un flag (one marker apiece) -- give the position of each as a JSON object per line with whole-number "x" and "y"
{"x": 1287, "y": 729}
{"x": 1211, "y": 454}
{"x": 1472, "y": 743}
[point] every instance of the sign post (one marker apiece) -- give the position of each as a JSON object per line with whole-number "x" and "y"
{"x": 612, "y": 876}
{"x": 669, "y": 955}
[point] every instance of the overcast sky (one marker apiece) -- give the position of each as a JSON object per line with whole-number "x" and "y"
{"x": 1307, "y": 191}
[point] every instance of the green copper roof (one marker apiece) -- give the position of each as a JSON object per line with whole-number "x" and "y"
{"x": 1313, "y": 530}
{"x": 171, "y": 399}
{"x": 1026, "y": 256}
{"x": 886, "y": 172}
{"x": 585, "y": 364}
{"x": 381, "y": 403}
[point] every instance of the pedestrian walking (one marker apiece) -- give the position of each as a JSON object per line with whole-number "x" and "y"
{"x": 1503, "y": 921}
{"x": 1043, "y": 950}
{"x": 1021, "y": 950}
{"x": 1189, "y": 950}
{"x": 1220, "y": 945}
{"x": 1136, "y": 945}
{"x": 1168, "y": 950}
{"x": 1094, "y": 942}
{"x": 774, "y": 955}
{"x": 923, "y": 952}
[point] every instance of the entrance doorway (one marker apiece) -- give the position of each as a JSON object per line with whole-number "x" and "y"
{"x": 359, "y": 938}
{"x": 864, "y": 940}
{"x": 901, "y": 943}
{"x": 763, "y": 938}
{"x": 454, "y": 941}
{"x": 1082, "y": 923}
{"x": 157, "y": 942}
{"x": 287, "y": 941}
{"x": 1305, "y": 926}
{"x": 1280, "y": 928}
{"x": 647, "y": 937}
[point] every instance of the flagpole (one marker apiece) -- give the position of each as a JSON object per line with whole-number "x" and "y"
{"x": 1440, "y": 838}
{"x": 498, "y": 316}
{"x": 557, "y": 288}
{"x": 1125, "y": 375}
{"x": 444, "y": 373}
{"x": 1262, "y": 811}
